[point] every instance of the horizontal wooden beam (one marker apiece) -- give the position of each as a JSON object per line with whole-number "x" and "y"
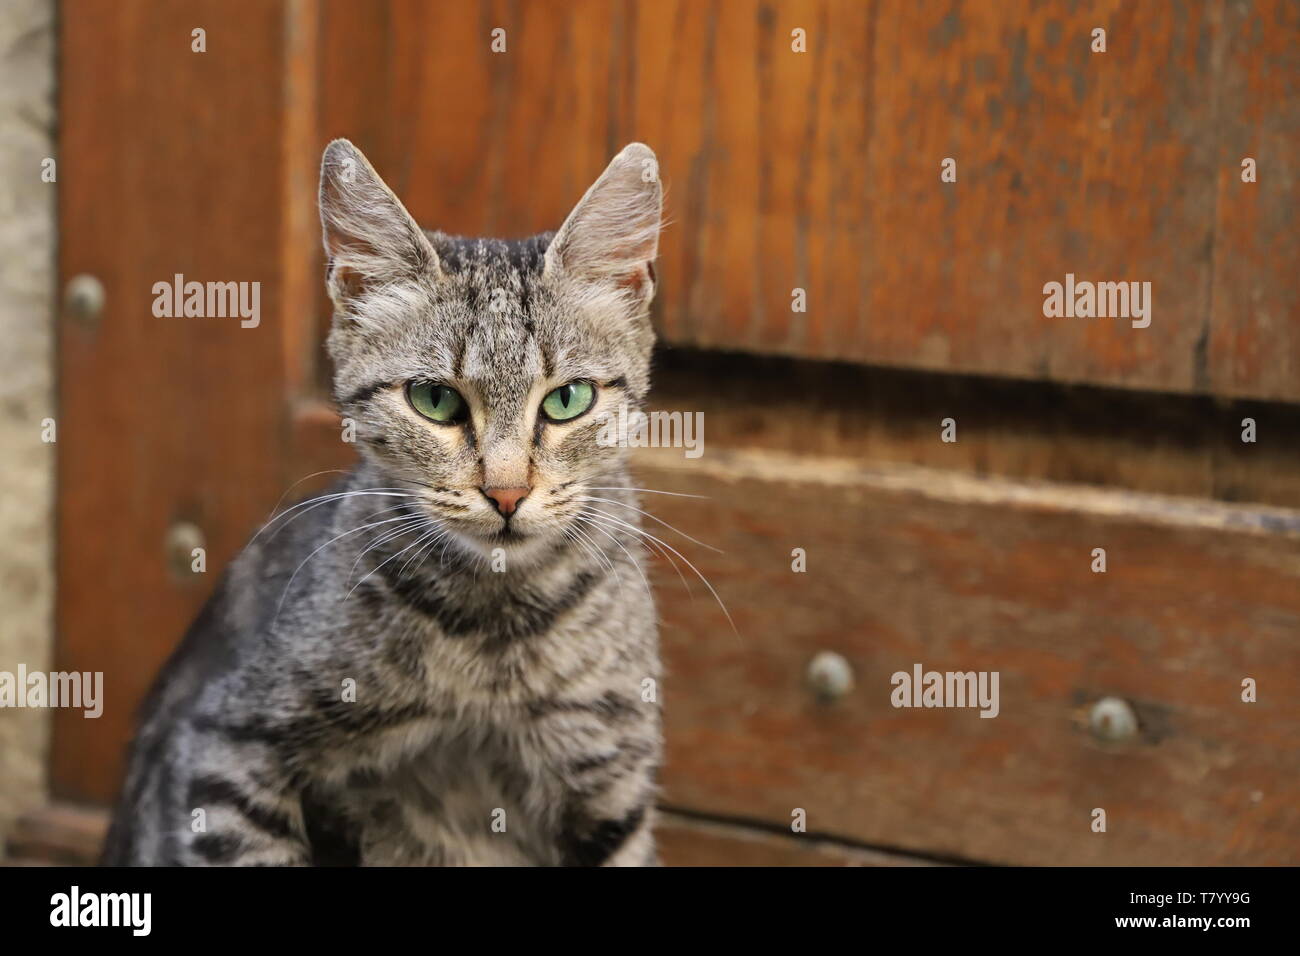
{"x": 685, "y": 840}
{"x": 1036, "y": 431}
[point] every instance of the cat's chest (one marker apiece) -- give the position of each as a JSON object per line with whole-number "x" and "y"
{"x": 469, "y": 799}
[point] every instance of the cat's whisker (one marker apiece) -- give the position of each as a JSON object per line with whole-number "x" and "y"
{"x": 315, "y": 474}
{"x": 572, "y": 535}
{"x": 294, "y": 576}
{"x": 323, "y": 500}
{"x": 415, "y": 516}
{"x": 599, "y": 553}
{"x": 572, "y": 539}
{"x": 381, "y": 511}
{"x": 633, "y": 560}
{"x": 651, "y": 517}
{"x": 648, "y": 491}
{"x": 425, "y": 551}
{"x": 654, "y": 549}
{"x": 424, "y": 546}
{"x": 384, "y": 492}
{"x": 590, "y": 548}
{"x": 698, "y": 573}
{"x": 387, "y": 559}
{"x": 415, "y": 522}
{"x": 650, "y": 548}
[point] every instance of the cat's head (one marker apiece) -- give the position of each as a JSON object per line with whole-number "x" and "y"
{"x": 482, "y": 370}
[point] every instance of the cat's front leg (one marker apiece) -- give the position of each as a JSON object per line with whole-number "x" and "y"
{"x": 609, "y": 819}
{"x": 247, "y": 819}
{"x": 593, "y": 836}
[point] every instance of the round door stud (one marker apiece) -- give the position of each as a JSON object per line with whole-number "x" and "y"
{"x": 183, "y": 539}
{"x": 83, "y": 297}
{"x": 829, "y": 675}
{"x": 1111, "y": 718}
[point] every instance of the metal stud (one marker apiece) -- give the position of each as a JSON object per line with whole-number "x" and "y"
{"x": 829, "y": 675}
{"x": 182, "y": 540}
{"x": 1112, "y": 718}
{"x": 83, "y": 296}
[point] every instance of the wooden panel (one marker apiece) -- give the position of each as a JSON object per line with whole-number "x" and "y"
{"x": 1254, "y": 340}
{"x": 170, "y": 162}
{"x": 957, "y": 574}
{"x": 821, "y": 170}
{"x": 1098, "y": 165}
{"x": 57, "y": 835}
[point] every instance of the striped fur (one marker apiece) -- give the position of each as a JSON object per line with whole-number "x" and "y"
{"x": 394, "y": 695}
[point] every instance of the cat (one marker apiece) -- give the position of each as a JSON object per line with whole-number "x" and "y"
{"x": 451, "y": 658}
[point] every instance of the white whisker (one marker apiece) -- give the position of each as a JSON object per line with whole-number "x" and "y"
{"x": 279, "y": 607}
{"x": 635, "y": 565}
{"x": 648, "y": 491}
{"x": 414, "y": 521}
{"x": 654, "y": 548}
{"x": 323, "y": 500}
{"x": 315, "y": 474}
{"x": 652, "y": 518}
{"x": 425, "y": 551}
{"x": 387, "y": 559}
{"x": 572, "y": 533}
{"x": 698, "y": 574}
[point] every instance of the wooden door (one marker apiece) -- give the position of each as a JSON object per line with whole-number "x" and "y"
{"x": 814, "y": 173}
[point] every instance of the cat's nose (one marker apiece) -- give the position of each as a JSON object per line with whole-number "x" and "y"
{"x": 507, "y": 499}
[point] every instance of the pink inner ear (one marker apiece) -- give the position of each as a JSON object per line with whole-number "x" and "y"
{"x": 637, "y": 279}
{"x": 347, "y": 282}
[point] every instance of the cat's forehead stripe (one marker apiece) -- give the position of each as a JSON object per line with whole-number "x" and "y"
{"x": 483, "y": 256}
{"x": 491, "y": 346}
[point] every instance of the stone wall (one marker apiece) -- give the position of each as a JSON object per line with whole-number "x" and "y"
{"x": 27, "y": 302}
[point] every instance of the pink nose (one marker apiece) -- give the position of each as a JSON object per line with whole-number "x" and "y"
{"x": 507, "y": 499}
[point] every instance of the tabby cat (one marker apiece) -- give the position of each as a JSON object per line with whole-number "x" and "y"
{"x": 449, "y": 659}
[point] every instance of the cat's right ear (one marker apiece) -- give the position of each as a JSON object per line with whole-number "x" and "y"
{"x": 370, "y": 238}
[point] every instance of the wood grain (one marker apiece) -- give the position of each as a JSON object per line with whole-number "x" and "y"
{"x": 960, "y": 574}
{"x": 170, "y": 162}
{"x": 1254, "y": 325}
{"x": 820, "y": 170}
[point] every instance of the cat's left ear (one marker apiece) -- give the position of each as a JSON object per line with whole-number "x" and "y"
{"x": 612, "y": 235}
{"x": 370, "y": 238}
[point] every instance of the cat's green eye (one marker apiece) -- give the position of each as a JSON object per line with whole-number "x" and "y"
{"x": 568, "y": 401}
{"x": 438, "y": 403}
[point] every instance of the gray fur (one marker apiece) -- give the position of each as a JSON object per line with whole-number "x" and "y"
{"x": 481, "y": 696}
